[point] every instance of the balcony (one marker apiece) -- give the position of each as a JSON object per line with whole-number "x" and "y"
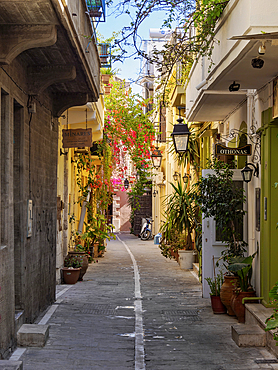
{"x": 208, "y": 96}
{"x": 50, "y": 38}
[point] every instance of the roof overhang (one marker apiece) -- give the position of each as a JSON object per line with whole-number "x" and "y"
{"x": 215, "y": 105}
{"x": 216, "y": 102}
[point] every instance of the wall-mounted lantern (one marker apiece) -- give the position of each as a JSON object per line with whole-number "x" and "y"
{"x": 185, "y": 177}
{"x": 180, "y": 136}
{"x": 126, "y": 184}
{"x": 247, "y": 172}
{"x": 176, "y": 176}
{"x": 156, "y": 158}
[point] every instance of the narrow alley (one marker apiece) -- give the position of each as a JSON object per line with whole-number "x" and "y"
{"x": 137, "y": 310}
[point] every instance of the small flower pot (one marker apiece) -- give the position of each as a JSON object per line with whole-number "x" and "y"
{"x": 70, "y": 275}
{"x": 216, "y": 304}
{"x": 80, "y": 257}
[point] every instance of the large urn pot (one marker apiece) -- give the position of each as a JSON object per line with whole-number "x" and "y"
{"x": 237, "y": 306}
{"x": 227, "y": 291}
{"x": 82, "y": 258}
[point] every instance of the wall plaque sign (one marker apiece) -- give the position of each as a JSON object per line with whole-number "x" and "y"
{"x": 77, "y": 138}
{"x": 224, "y": 150}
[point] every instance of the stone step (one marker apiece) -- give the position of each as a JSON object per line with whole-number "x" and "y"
{"x": 11, "y": 365}
{"x": 248, "y": 335}
{"x": 256, "y": 314}
{"x": 196, "y": 268}
{"x": 32, "y": 335}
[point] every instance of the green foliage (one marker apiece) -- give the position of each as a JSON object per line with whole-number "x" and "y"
{"x": 73, "y": 262}
{"x": 272, "y": 321}
{"x": 218, "y": 197}
{"x": 215, "y": 284}
{"x": 97, "y": 230}
{"x": 182, "y": 216}
{"x": 242, "y": 267}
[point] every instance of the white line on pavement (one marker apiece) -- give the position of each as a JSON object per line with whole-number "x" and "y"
{"x": 17, "y": 354}
{"x": 63, "y": 291}
{"x": 139, "y": 332}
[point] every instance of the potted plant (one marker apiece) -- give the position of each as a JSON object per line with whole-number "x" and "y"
{"x": 181, "y": 214}
{"x": 220, "y": 198}
{"x": 71, "y": 270}
{"x": 106, "y": 74}
{"x": 242, "y": 268}
{"x": 215, "y": 286}
{"x": 96, "y": 232}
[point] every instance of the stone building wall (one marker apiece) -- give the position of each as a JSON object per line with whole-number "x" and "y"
{"x": 28, "y": 171}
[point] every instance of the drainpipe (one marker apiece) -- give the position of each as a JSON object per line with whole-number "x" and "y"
{"x": 83, "y": 210}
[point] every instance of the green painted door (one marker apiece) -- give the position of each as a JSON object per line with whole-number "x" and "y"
{"x": 269, "y": 203}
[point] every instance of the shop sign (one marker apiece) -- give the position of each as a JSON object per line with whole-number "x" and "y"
{"x": 224, "y": 150}
{"x": 77, "y": 138}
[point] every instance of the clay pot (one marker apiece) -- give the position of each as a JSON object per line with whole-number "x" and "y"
{"x": 105, "y": 79}
{"x": 238, "y": 307}
{"x": 81, "y": 257}
{"x": 174, "y": 254}
{"x": 70, "y": 275}
{"x": 216, "y": 304}
{"x": 226, "y": 292}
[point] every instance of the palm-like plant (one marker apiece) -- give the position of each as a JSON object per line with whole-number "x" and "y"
{"x": 181, "y": 214}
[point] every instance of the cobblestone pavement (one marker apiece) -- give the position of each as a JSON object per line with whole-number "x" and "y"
{"x": 98, "y": 323}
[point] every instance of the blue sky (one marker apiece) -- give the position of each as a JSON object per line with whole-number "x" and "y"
{"x": 130, "y": 69}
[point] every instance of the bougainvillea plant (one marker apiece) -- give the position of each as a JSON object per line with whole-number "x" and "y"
{"x": 129, "y": 128}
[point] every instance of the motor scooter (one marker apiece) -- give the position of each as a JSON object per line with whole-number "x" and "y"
{"x": 146, "y": 230}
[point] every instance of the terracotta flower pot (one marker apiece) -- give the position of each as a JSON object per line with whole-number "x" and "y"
{"x": 216, "y": 304}
{"x": 70, "y": 275}
{"x": 227, "y": 291}
{"x": 238, "y": 307}
{"x": 81, "y": 257}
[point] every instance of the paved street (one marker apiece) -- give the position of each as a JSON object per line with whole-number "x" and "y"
{"x": 133, "y": 290}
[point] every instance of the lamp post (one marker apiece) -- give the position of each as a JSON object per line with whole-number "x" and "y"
{"x": 247, "y": 172}
{"x": 156, "y": 158}
{"x": 180, "y": 136}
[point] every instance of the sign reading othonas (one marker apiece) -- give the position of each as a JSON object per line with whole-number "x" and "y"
{"x": 77, "y": 138}
{"x": 223, "y": 150}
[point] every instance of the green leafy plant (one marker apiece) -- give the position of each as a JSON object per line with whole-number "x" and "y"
{"x": 215, "y": 284}
{"x": 242, "y": 267}
{"x": 72, "y": 262}
{"x": 218, "y": 197}
{"x": 181, "y": 215}
{"x": 97, "y": 231}
{"x": 272, "y": 321}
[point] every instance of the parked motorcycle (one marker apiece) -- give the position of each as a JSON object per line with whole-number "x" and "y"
{"x": 146, "y": 230}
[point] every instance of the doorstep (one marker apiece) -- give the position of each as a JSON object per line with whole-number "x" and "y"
{"x": 256, "y": 313}
{"x": 255, "y": 317}
{"x": 11, "y": 365}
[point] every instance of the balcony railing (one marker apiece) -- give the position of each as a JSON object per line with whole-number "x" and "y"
{"x": 104, "y": 51}
{"x": 96, "y": 9}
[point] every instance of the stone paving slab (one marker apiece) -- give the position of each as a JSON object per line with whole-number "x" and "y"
{"x": 94, "y": 323}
